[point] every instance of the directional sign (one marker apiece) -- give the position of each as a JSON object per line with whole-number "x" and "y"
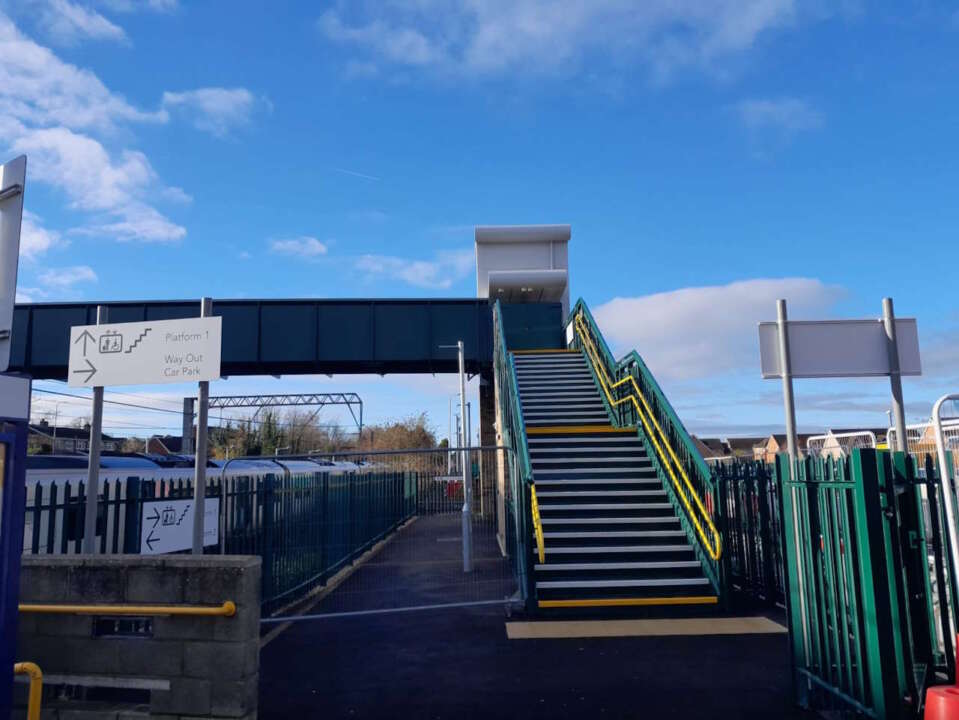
{"x": 161, "y": 351}
{"x": 12, "y": 177}
{"x": 167, "y": 525}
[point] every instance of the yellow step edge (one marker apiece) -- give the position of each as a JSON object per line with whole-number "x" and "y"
{"x": 578, "y": 429}
{"x": 630, "y": 602}
{"x": 544, "y": 351}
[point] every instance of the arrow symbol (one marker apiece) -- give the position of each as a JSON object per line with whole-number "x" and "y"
{"x": 155, "y": 517}
{"x": 88, "y": 369}
{"x": 86, "y": 337}
{"x": 150, "y": 540}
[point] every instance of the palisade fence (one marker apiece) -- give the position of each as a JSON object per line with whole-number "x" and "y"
{"x": 749, "y": 516}
{"x": 307, "y": 518}
{"x": 870, "y": 603}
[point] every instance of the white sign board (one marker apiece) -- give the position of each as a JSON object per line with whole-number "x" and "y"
{"x": 167, "y": 525}
{"x": 14, "y": 397}
{"x": 839, "y": 348}
{"x": 13, "y": 175}
{"x": 161, "y": 351}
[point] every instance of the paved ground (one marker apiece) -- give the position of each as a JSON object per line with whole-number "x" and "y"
{"x": 460, "y": 664}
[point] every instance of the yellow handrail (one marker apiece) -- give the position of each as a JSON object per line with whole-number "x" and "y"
{"x": 227, "y": 609}
{"x": 714, "y": 547}
{"x": 537, "y": 524}
{"x": 36, "y": 687}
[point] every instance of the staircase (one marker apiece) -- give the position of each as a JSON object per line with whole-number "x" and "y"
{"x": 611, "y": 535}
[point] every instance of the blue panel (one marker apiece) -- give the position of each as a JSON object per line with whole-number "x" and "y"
{"x": 21, "y": 324}
{"x": 402, "y": 332}
{"x": 345, "y": 332}
{"x": 241, "y": 331}
{"x": 51, "y": 333}
{"x": 172, "y": 311}
{"x": 449, "y": 324}
{"x": 288, "y": 332}
{"x": 126, "y": 313}
{"x": 533, "y": 326}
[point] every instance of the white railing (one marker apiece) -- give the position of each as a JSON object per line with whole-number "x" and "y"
{"x": 839, "y": 445}
{"x": 921, "y": 438}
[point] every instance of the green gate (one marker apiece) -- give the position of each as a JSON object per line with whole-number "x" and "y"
{"x": 868, "y": 597}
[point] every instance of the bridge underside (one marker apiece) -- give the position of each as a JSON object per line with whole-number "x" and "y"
{"x": 298, "y": 337}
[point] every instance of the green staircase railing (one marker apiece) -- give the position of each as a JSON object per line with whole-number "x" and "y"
{"x": 512, "y": 429}
{"x": 634, "y": 399}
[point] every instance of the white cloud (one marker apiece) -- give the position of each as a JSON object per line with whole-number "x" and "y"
{"x": 303, "y": 246}
{"x": 441, "y": 272}
{"x": 212, "y": 109}
{"x": 136, "y": 5}
{"x": 703, "y": 332}
{"x": 35, "y": 239}
{"x": 786, "y": 114}
{"x": 39, "y": 89}
{"x": 63, "y": 278}
{"x": 95, "y": 182}
{"x": 486, "y": 37}
{"x": 51, "y": 110}
{"x": 66, "y": 22}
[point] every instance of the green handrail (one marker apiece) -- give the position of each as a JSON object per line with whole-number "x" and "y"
{"x": 513, "y": 432}
{"x": 677, "y": 436}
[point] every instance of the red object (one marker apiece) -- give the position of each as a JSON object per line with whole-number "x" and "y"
{"x": 942, "y": 701}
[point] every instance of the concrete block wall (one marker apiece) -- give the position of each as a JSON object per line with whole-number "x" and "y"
{"x": 191, "y": 667}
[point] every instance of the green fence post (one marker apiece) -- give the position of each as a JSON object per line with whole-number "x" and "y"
{"x": 794, "y": 601}
{"x": 884, "y": 647}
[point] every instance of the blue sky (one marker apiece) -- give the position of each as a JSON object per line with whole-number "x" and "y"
{"x": 710, "y": 157}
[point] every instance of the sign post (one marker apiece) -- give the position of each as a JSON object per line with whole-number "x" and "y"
{"x": 93, "y": 460}
{"x": 840, "y": 348}
{"x": 895, "y": 376}
{"x": 143, "y": 353}
{"x": 790, "y": 404}
{"x": 199, "y": 462}
{"x": 13, "y": 176}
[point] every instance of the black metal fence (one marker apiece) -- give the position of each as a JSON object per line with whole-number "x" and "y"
{"x": 307, "y": 518}
{"x": 749, "y": 513}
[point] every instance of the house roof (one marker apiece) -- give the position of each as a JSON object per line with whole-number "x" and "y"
{"x": 745, "y": 444}
{"x": 68, "y": 433}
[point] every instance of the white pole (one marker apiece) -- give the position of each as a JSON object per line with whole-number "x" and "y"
{"x": 466, "y": 469}
{"x": 788, "y": 401}
{"x": 93, "y": 460}
{"x": 895, "y": 378}
{"x": 450, "y": 443}
{"x": 948, "y": 497}
{"x": 199, "y": 464}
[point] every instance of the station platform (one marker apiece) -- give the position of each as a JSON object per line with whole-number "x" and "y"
{"x": 462, "y": 662}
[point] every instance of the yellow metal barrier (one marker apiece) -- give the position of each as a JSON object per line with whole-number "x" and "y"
{"x": 227, "y": 609}
{"x": 537, "y": 524}
{"x": 36, "y": 687}
{"x": 713, "y": 546}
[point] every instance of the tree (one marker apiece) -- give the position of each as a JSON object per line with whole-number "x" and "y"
{"x": 413, "y": 432}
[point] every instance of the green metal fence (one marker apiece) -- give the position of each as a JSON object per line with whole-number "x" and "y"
{"x": 870, "y": 615}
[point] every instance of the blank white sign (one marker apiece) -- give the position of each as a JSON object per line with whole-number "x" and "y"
{"x": 839, "y": 348}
